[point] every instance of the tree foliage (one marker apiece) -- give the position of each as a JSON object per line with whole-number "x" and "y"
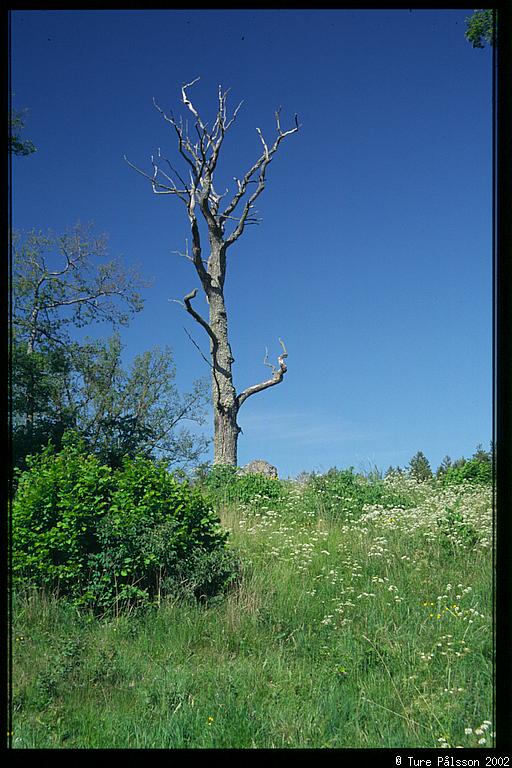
{"x": 419, "y": 467}
{"x": 122, "y": 412}
{"x": 480, "y": 28}
{"x": 110, "y": 538}
{"x": 444, "y": 466}
{"x": 61, "y": 283}
{"x": 63, "y": 280}
{"x": 472, "y": 471}
{"x": 16, "y": 144}
{"x": 41, "y": 408}
{"x": 478, "y": 469}
{"x": 119, "y": 410}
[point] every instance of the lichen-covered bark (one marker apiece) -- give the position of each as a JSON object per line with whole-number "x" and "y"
{"x": 224, "y": 398}
{"x": 225, "y": 440}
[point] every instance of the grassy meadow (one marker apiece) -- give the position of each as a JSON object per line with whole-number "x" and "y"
{"x": 357, "y": 620}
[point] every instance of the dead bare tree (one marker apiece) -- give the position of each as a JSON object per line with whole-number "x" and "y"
{"x": 200, "y": 151}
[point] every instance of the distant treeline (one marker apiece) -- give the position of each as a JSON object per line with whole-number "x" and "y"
{"x": 478, "y": 468}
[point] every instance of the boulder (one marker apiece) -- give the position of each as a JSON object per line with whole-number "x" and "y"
{"x": 260, "y": 467}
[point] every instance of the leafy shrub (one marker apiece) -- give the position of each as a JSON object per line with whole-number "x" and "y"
{"x": 342, "y": 492}
{"x": 59, "y": 500}
{"x": 456, "y": 531}
{"x": 472, "y": 471}
{"x": 216, "y": 478}
{"x": 151, "y": 531}
{"x": 109, "y": 538}
{"x": 338, "y": 492}
{"x": 252, "y": 485}
{"x": 204, "y": 574}
{"x": 224, "y": 483}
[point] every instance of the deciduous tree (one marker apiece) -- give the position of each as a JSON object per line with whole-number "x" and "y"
{"x": 139, "y": 410}
{"x": 15, "y": 143}
{"x": 480, "y": 28}
{"x": 63, "y": 282}
{"x": 57, "y": 282}
{"x": 199, "y": 148}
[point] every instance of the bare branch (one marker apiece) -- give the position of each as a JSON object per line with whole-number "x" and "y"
{"x": 233, "y": 118}
{"x": 206, "y": 153}
{"x": 277, "y": 377}
{"x": 197, "y": 317}
{"x": 183, "y": 146}
{"x": 186, "y": 255}
{"x": 164, "y": 189}
{"x": 187, "y": 101}
{"x": 259, "y": 166}
{"x": 198, "y": 348}
{"x": 269, "y": 365}
{"x": 176, "y": 173}
{"x": 263, "y": 142}
{"x": 242, "y": 187}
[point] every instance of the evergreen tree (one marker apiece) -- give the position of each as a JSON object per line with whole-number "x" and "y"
{"x": 419, "y": 467}
{"x": 444, "y": 466}
{"x": 482, "y": 455}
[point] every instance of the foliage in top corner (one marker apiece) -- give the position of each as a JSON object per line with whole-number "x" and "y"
{"x": 480, "y": 28}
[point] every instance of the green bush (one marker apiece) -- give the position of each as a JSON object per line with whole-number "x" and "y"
{"x": 224, "y": 483}
{"x": 110, "y": 538}
{"x": 217, "y": 478}
{"x": 252, "y": 485}
{"x": 204, "y": 574}
{"x": 472, "y": 471}
{"x": 59, "y": 500}
{"x": 154, "y": 530}
{"x": 456, "y": 531}
{"x": 339, "y": 492}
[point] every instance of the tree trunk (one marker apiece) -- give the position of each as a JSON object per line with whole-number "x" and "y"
{"x": 225, "y": 403}
{"x": 225, "y": 437}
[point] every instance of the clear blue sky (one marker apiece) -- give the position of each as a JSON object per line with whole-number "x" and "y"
{"x": 373, "y": 261}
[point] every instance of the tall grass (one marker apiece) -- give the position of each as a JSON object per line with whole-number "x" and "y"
{"x": 358, "y": 620}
